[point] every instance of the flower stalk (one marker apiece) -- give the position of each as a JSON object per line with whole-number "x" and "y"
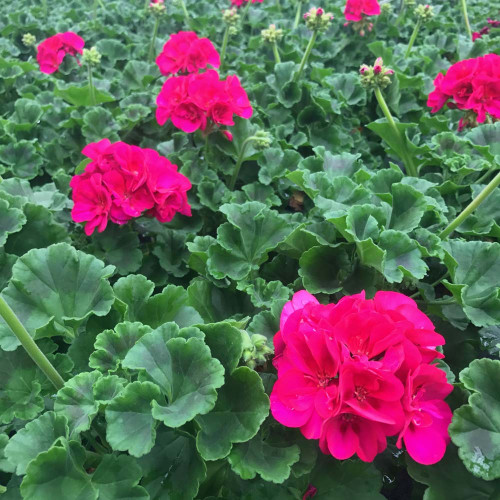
{"x": 276, "y": 53}
{"x": 223, "y": 50}
{"x": 473, "y": 205}
{"x": 297, "y": 15}
{"x": 413, "y": 38}
{"x": 153, "y": 39}
{"x": 306, "y": 55}
{"x": 91, "y": 85}
{"x": 463, "y": 5}
{"x": 407, "y": 158}
{"x": 29, "y": 344}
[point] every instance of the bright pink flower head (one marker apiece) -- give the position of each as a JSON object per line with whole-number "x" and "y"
{"x": 51, "y": 52}
{"x": 239, "y": 3}
{"x": 471, "y": 85}
{"x": 355, "y": 9}
{"x": 350, "y": 373}
{"x": 184, "y": 52}
{"x": 122, "y": 182}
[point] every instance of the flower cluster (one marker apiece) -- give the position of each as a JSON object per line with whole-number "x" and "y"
{"x": 28, "y": 40}
{"x": 184, "y": 52}
{"x": 122, "y": 182}
{"x": 355, "y": 10}
{"x": 317, "y": 19}
{"x": 471, "y": 85}
{"x": 202, "y": 101}
{"x": 240, "y": 3}
{"x": 51, "y": 52}
{"x": 424, "y": 13}
{"x": 157, "y": 7}
{"x": 272, "y": 34}
{"x": 353, "y": 373}
{"x": 377, "y": 75}
{"x": 485, "y": 30}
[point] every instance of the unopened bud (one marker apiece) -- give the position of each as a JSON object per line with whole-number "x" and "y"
{"x": 385, "y": 8}
{"x": 29, "y": 40}
{"x": 375, "y": 76}
{"x": 272, "y": 34}
{"x": 255, "y": 349}
{"x": 424, "y": 13}
{"x": 317, "y": 19}
{"x": 262, "y": 140}
{"x": 91, "y": 56}
{"x": 231, "y": 16}
{"x": 157, "y": 7}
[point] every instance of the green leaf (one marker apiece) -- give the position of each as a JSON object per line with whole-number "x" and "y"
{"x": 234, "y": 419}
{"x": 59, "y": 473}
{"x": 173, "y": 469}
{"x": 11, "y": 221}
{"x": 133, "y": 291}
{"x": 106, "y": 388}
{"x": 474, "y": 266}
{"x": 131, "y": 426}
{"x": 55, "y": 286}
{"x": 113, "y": 345}
{"x": 185, "y": 371}
{"x": 22, "y": 157}
{"x": 117, "y": 478}
{"x": 382, "y": 128}
{"x": 19, "y": 387}
{"x": 99, "y": 123}
{"x": 258, "y": 457}
{"x": 263, "y": 294}
{"x": 475, "y": 428}
{"x": 38, "y": 436}
{"x": 243, "y": 243}
{"x": 77, "y": 403}
{"x": 323, "y": 268}
{"x": 403, "y": 257}
{"x": 408, "y": 207}
{"x": 81, "y": 96}
{"x": 450, "y": 479}
{"x": 5, "y": 464}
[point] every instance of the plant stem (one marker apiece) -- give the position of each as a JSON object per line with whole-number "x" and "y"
{"x": 484, "y": 176}
{"x": 277, "y": 57}
{"x": 91, "y": 86}
{"x": 466, "y": 18}
{"x": 94, "y": 10}
{"x": 153, "y": 40}
{"x": 146, "y": 4}
{"x": 489, "y": 188}
{"x": 237, "y": 167}
{"x": 407, "y": 158}
{"x": 306, "y": 55}
{"x": 224, "y": 48}
{"x": 185, "y": 11}
{"x": 245, "y": 11}
{"x": 413, "y": 38}
{"x": 278, "y": 4}
{"x": 297, "y": 15}
{"x": 29, "y": 344}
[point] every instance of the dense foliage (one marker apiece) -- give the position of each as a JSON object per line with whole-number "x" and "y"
{"x": 162, "y": 325}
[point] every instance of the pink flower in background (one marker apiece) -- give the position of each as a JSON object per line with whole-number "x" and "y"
{"x": 353, "y": 373}
{"x": 51, "y": 52}
{"x": 184, "y": 52}
{"x": 239, "y": 3}
{"x": 355, "y": 9}
{"x": 122, "y": 182}
{"x": 472, "y": 85}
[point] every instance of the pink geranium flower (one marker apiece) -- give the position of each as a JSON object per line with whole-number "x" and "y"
{"x": 355, "y": 9}
{"x": 356, "y": 372}
{"x": 122, "y": 182}
{"x": 51, "y": 52}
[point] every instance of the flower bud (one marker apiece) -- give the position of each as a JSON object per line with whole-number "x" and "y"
{"x": 386, "y": 8}
{"x": 231, "y": 16}
{"x": 375, "y": 76}
{"x": 91, "y": 56}
{"x": 255, "y": 349}
{"x": 317, "y": 19}
{"x": 424, "y": 13}
{"x": 29, "y": 40}
{"x": 262, "y": 140}
{"x": 157, "y": 7}
{"x": 272, "y": 34}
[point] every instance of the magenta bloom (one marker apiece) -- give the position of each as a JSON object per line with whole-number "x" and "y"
{"x": 184, "y": 52}
{"x": 51, "y": 52}
{"x": 353, "y": 373}
{"x": 355, "y": 9}
{"x": 471, "y": 85}
{"x": 122, "y": 182}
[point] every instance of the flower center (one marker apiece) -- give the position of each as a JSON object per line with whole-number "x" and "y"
{"x": 360, "y": 393}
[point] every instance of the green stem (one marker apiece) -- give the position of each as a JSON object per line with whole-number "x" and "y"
{"x": 413, "y": 38}
{"x": 245, "y": 11}
{"x": 298, "y": 15}
{"x": 91, "y": 86}
{"x": 444, "y": 302}
{"x": 277, "y": 57}
{"x": 153, "y": 39}
{"x": 146, "y": 4}
{"x": 484, "y": 176}
{"x": 306, "y": 55}
{"x": 489, "y": 188}
{"x": 94, "y": 10}
{"x": 401, "y": 15}
{"x": 433, "y": 284}
{"x": 466, "y": 18}
{"x": 29, "y": 344}
{"x": 239, "y": 162}
{"x": 278, "y": 4}
{"x": 185, "y": 11}
{"x": 407, "y": 158}
{"x": 224, "y": 47}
